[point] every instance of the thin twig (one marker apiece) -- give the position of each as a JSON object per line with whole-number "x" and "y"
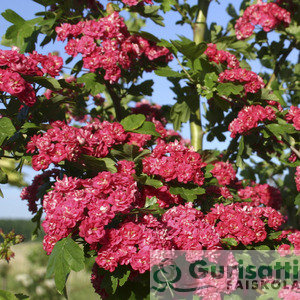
{"x": 184, "y": 70}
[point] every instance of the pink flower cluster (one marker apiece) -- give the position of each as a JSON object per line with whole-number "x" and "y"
{"x": 118, "y": 49}
{"x": 249, "y": 117}
{"x": 86, "y": 206}
{"x": 251, "y": 81}
{"x": 189, "y": 229}
{"x": 135, "y": 2}
{"x": 294, "y": 238}
{"x": 224, "y": 172}
{"x": 30, "y": 193}
{"x": 293, "y": 116}
{"x": 262, "y": 194}
{"x": 267, "y": 15}
{"x": 172, "y": 161}
{"x": 221, "y": 56}
{"x": 290, "y": 292}
{"x": 297, "y": 178}
{"x": 181, "y": 227}
{"x": 243, "y": 222}
{"x": 63, "y": 142}
{"x": 14, "y": 64}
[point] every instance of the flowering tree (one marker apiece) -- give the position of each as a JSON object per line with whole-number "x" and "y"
{"x": 113, "y": 178}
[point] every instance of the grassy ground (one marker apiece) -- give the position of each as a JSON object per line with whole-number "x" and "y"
{"x": 26, "y": 274}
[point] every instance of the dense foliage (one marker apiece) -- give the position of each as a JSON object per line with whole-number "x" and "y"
{"x": 113, "y": 177}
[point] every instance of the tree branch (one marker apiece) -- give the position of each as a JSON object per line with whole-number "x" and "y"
{"x": 116, "y": 102}
{"x": 199, "y": 27}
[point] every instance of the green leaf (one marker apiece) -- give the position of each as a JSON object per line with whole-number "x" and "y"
{"x": 125, "y": 277}
{"x": 145, "y": 88}
{"x": 279, "y": 129}
{"x": 3, "y": 177}
{"x": 26, "y": 126}
{"x": 5, "y": 295}
{"x": 297, "y": 202}
{"x": 23, "y": 36}
{"x": 150, "y": 202}
{"x": 7, "y": 129}
{"x": 166, "y": 5}
{"x": 180, "y": 113}
{"x": 92, "y": 84}
{"x": 100, "y": 164}
{"x": 189, "y": 48}
{"x": 66, "y": 255}
{"x": 274, "y": 235}
{"x": 210, "y": 80}
{"x": 12, "y": 17}
{"x": 114, "y": 282}
{"x": 167, "y": 72}
{"x": 229, "y": 88}
{"x": 147, "y": 128}
{"x": 272, "y": 96}
{"x": 150, "y": 11}
{"x": 230, "y": 241}
{"x": 208, "y": 168}
{"x": 239, "y": 161}
{"x": 49, "y": 83}
{"x": 153, "y": 182}
{"x": 133, "y": 122}
{"x": 262, "y": 247}
{"x": 188, "y": 194}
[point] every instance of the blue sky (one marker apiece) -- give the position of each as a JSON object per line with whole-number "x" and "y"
{"x": 11, "y": 206}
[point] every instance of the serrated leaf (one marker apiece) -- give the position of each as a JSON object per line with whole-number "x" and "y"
{"x": 147, "y": 128}
{"x": 150, "y": 202}
{"x": 180, "y": 113}
{"x": 12, "y": 17}
{"x": 274, "y": 235}
{"x": 49, "y": 83}
{"x": 92, "y": 83}
{"x": 188, "y": 48}
{"x": 133, "y": 122}
{"x": 188, "y": 194}
{"x": 7, "y": 129}
{"x": 100, "y": 164}
{"x": 114, "y": 285}
{"x": 145, "y": 88}
{"x": 166, "y": 5}
{"x": 153, "y": 182}
{"x": 167, "y": 72}
{"x": 210, "y": 80}
{"x": 229, "y": 88}
{"x": 279, "y": 129}
{"x": 66, "y": 255}
{"x": 123, "y": 280}
{"x": 230, "y": 241}
{"x": 272, "y": 96}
